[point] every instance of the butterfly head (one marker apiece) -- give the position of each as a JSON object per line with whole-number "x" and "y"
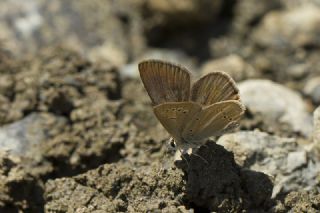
{"x": 181, "y": 145}
{"x": 172, "y": 144}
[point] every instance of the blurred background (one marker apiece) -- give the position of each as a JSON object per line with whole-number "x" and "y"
{"x": 274, "y": 39}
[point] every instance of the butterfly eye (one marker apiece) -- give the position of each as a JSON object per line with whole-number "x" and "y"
{"x": 172, "y": 144}
{"x": 185, "y": 111}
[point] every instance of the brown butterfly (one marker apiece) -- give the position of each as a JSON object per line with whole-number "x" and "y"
{"x": 210, "y": 108}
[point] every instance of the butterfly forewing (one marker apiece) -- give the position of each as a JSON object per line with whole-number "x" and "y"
{"x": 214, "y": 87}
{"x": 175, "y": 115}
{"x": 165, "y": 82}
{"x": 213, "y": 120}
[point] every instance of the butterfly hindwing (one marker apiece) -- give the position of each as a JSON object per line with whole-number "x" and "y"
{"x": 214, "y": 87}
{"x": 174, "y": 116}
{"x": 165, "y": 82}
{"x": 213, "y": 120}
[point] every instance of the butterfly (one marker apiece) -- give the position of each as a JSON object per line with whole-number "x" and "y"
{"x": 191, "y": 113}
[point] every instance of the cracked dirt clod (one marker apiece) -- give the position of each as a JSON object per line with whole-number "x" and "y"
{"x": 117, "y": 187}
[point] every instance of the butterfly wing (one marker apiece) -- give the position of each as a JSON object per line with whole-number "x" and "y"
{"x": 213, "y": 120}
{"x": 173, "y": 116}
{"x": 214, "y": 87}
{"x": 165, "y": 82}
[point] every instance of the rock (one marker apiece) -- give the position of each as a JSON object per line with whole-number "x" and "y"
{"x": 296, "y": 160}
{"x": 117, "y": 188}
{"x": 316, "y": 125}
{"x": 174, "y": 56}
{"x": 299, "y": 3}
{"x": 233, "y": 64}
{"x": 110, "y": 53}
{"x": 298, "y": 71}
{"x": 315, "y": 146}
{"x": 266, "y": 153}
{"x": 312, "y": 89}
{"x": 21, "y": 137}
{"x": 280, "y": 107}
{"x": 216, "y": 182}
{"x": 292, "y": 28}
{"x": 248, "y": 13}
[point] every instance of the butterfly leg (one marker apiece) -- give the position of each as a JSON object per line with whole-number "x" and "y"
{"x": 205, "y": 145}
{"x": 200, "y": 157}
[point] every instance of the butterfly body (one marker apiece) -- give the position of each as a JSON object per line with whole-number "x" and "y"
{"x": 211, "y": 107}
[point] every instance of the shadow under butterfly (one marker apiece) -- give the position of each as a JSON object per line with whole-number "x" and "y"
{"x": 210, "y": 107}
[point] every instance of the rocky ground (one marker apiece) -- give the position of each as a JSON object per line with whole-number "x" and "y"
{"x": 77, "y": 131}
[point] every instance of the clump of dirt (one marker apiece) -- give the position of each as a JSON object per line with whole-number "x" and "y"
{"x": 216, "y": 182}
{"x": 118, "y": 188}
{"x": 63, "y": 84}
{"x": 300, "y": 202}
{"x": 19, "y": 190}
{"x": 54, "y": 82}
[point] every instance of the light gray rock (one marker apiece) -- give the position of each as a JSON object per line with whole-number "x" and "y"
{"x": 316, "y": 126}
{"x": 312, "y": 89}
{"x": 20, "y": 137}
{"x": 296, "y": 27}
{"x": 290, "y": 4}
{"x": 315, "y": 146}
{"x": 274, "y": 156}
{"x": 279, "y": 106}
{"x": 296, "y": 159}
{"x": 233, "y": 64}
{"x": 298, "y": 71}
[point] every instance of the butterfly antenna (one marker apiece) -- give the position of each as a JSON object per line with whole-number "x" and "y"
{"x": 166, "y": 153}
{"x": 148, "y": 150}
{"x": 200, "y": 157}
{"x": 160, "y": 169}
